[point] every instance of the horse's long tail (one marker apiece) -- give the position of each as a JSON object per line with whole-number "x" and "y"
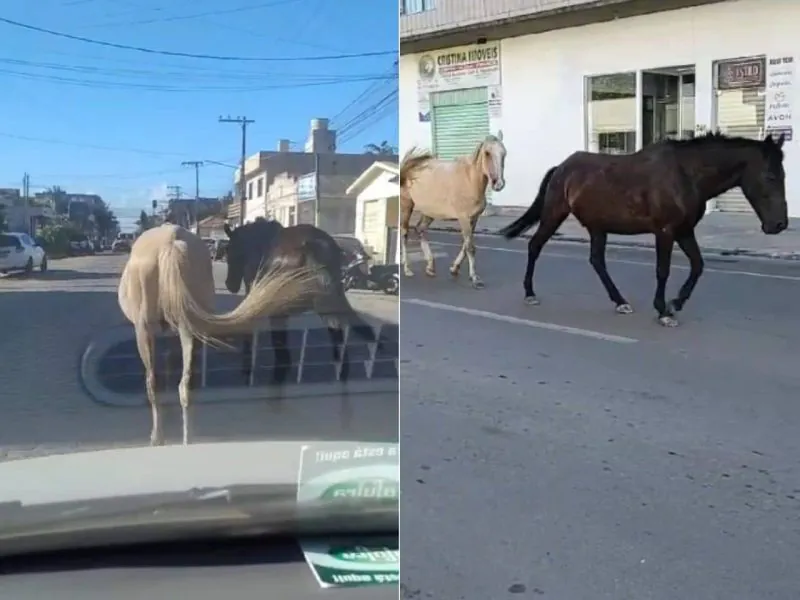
{"x": 273, "y": 294}
{"x": 332, "y": 304}
{"x": 412, "y": 162}
{"x": 533, "y": 214}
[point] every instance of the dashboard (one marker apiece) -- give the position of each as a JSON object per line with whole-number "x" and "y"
{"x": 208, "y": 570}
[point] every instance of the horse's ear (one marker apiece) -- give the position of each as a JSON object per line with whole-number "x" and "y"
{"x": 500, "y": 135}
{"x": 227, "y": 229}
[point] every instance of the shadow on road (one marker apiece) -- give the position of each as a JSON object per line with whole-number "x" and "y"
{"x": 62, "y": 275}
{"x": 46, "y": 409}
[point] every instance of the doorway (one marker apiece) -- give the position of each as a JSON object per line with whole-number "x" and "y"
{"x": 668, "y": 108}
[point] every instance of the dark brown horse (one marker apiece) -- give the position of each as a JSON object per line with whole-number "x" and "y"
{"x": 257, "y": 247}
{"x": 662, "y": 190}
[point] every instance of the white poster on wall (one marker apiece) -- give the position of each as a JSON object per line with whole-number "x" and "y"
{"x": 424, "y": 106}
{"x": 779, "y": 101}
{"x": 495, "y": 102}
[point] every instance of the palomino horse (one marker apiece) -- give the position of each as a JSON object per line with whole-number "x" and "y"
{"x": 255, "y": 247}
{"x": 449, "y": 189}
{"x": 662, "y": 190}
{"x": 168, "y": 283}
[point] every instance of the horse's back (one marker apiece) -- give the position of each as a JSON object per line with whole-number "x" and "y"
{"x": 140, "y": 283}
{"x": 445, "y": 189}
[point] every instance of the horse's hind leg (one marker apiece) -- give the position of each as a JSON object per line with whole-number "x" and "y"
{"x": 547, "y": 229}
{"x": 145, "y": 343}
{"x": 664, "y": 243}
{"x": 597, "y": 258}
{"x": 279, "y": 333}
{"x": 187, "y": 345}
{"x": 688, "y": 243}
{"x": 406, "y": 208}
{"x": 422, "y": 228}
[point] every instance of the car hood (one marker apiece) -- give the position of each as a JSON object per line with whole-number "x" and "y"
{"x": 123, "y": 472}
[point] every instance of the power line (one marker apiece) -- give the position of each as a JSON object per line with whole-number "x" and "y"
{"x": 359, "y": 118}
{"x": 86, "y": 40}
{"x": 101, "y": 84}
{"x": 212, "y": 13}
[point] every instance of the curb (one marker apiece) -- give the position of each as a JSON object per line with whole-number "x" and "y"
{"x": 574, "y": 239}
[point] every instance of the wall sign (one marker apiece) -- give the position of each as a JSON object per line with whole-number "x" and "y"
{"x": 741, "y": 73}
{"x": 472, "y": 66}
{"x": 780, "y": 84}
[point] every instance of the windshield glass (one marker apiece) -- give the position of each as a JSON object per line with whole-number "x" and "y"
{"x": 118, "y": 333}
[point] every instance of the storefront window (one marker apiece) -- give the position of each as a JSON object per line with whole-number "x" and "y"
{"x": 611, "y": 113}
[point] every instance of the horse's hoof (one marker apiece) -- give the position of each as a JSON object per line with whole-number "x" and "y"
{"x": 674, "y": 306}
{"x": 624, "y": 309}
{"x": 430, "y": 272}
{"x": 668, "y": 321}
{"x": 478, "y": 284}
{"x": 453, "y": 274}
{"x": 531, "y": 301}
{"x": 408, "y": 273}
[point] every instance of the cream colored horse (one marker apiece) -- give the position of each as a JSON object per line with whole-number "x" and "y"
{"x": 449, "y": 189}
{"x": 168, "y": 283}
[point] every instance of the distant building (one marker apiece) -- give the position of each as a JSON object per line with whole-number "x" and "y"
{"x": 293, "y": 174}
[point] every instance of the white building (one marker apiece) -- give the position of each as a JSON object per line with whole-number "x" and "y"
{"x": 470, "y": 67}
{"x": 377, "y": 195}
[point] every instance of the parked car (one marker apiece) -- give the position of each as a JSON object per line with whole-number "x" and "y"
{"x": 18, "y": 252}
{"x": 79, "y": 245}
{"x": 121, "y": 246}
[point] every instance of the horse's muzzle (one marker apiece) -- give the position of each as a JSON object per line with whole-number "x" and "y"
{"x": 776, "y": 227}
{"x": 498, "y": 185}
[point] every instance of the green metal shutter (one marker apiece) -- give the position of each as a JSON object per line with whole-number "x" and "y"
{"x": 741, "y": 113}
{"x": 460, "y": 122}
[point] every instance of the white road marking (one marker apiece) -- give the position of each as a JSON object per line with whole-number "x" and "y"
{"x": 633, "y": 262}
{"x": 597, "y": 335}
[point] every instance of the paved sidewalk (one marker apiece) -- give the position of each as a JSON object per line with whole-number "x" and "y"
{"x": 720, "y": 233}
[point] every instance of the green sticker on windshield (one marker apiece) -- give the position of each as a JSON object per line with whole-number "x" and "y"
{"x": 354, "y": 562}
{"x": 349, "y": 471}
{"x": 331, "y": 472}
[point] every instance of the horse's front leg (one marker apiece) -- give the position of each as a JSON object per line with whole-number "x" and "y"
{"x": 422, "y": 228}
{"x": 688, "y": 243}
{"x": 664, "y": 243}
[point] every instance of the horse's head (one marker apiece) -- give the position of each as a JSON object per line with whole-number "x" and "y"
{"x": 249, "y": 249}
{"x": 236, "y": 257}
{"x": 763, "y": 184}
{"x": 491, "y": 156}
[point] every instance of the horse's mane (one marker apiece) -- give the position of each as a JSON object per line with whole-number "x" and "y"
{"x": 487, "y": 140}
{"x": 715, "y": 139}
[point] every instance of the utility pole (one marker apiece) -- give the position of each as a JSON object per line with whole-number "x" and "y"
{"x": 175, "y": 192}
{"x": 196, "y": 164}
{"x": 243, "y": 122}
{"x": 316, "y": 190}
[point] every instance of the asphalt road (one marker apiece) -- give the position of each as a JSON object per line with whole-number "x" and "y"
{"x": 564, "y": 451}
{"x": 49, "y": 319}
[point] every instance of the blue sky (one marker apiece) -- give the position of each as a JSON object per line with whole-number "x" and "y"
{"x": 119, "y": 123}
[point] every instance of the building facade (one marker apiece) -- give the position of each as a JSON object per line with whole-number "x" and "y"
{"x": 556, "y": 82}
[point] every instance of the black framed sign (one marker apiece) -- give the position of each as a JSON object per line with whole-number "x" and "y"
{"x": 741, "y": 73}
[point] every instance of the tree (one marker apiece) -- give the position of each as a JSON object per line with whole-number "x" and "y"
{"x": 60, "y": 201}
{"x": 382, "y": 149}
{"x": 105, "y": 221}
{"x": 144, "y": 221}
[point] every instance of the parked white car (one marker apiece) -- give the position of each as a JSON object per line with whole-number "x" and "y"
{"x": 18, "y": 252}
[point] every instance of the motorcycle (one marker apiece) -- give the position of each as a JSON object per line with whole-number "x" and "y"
{"x": 360, "y": 276}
